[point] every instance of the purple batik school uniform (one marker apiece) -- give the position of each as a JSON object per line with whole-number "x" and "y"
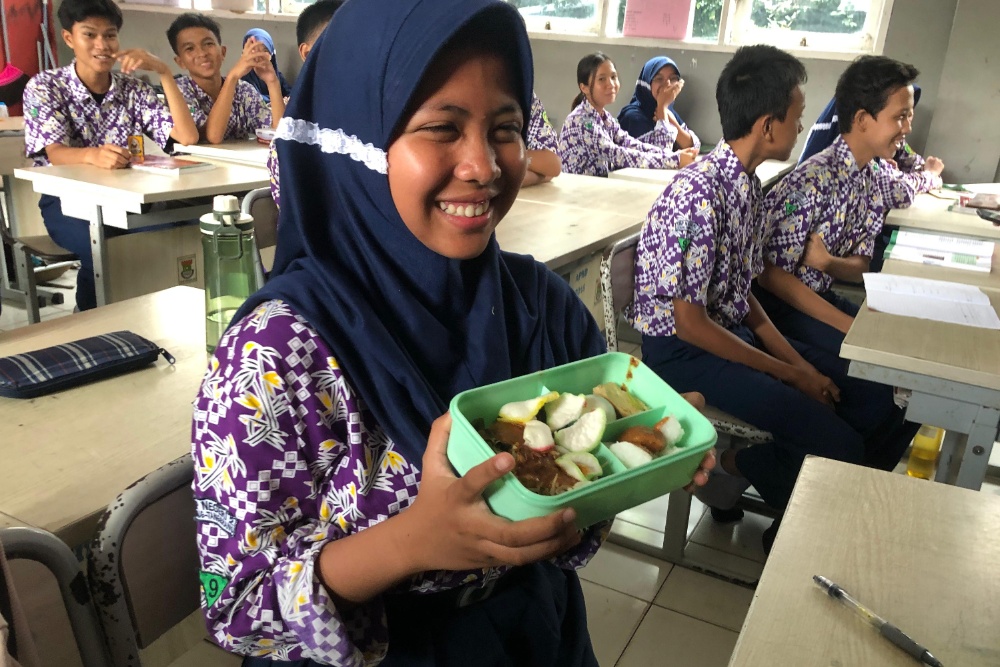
{"x": 272, "y": 171}
{"x": 594, "y": 144}
{"x": 250, "y": 111}
{"x": 700, "y": 243}
{"x": 541, "y": 136}
{"x": 287, "y": 459}
{"x": 664, "y": 135}
{"x": 60, "y": 109}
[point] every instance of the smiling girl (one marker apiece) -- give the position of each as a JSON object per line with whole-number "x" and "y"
{"x": 593, "y": 143}
{"x": 331, "y": 528}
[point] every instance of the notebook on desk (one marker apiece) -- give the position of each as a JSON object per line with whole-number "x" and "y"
{"x": 169, "y": 166}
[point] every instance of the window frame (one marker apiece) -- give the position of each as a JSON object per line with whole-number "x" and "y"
{"x": 735, "y": 28}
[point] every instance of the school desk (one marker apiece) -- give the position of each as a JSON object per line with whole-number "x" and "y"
{"x": 920, "y": 555}
{"x": 953, "y": 372}
{"x": 67, "y": 455}
{"x": 246, "y": 152}
{"x": 557, "y": 236}
{"x": 929, "y": 213}
{"x": 989, "y": 280}
{"x": 577, "y": 193}
{"x": 769, "y": 173}
{"x": 117, "y": 197}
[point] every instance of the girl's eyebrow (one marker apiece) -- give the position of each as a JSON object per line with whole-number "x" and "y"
{"x": 454, "y": 108}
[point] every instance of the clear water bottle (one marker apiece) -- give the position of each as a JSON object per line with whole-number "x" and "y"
{"x": 230, "y": 264}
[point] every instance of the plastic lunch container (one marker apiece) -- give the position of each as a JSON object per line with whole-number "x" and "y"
{"x": 620, "y": 488}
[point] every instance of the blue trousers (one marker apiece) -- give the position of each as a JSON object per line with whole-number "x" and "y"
{"x": 795, "y": 324}
{"x": 74, "y": 235}
{"x": 865, "y": 428}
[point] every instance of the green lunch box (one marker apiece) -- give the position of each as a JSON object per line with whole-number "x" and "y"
{"x": 620, "y": 488}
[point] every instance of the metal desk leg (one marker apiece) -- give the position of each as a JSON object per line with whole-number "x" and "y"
{"x": 978, "y": 447}
{"x": 99, "y": 252}
{"x": 954, "y": 443}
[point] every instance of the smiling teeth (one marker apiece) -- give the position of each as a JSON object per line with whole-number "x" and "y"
{"x": 466, "y": 210}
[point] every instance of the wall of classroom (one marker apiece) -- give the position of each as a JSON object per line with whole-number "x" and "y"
{"x": 948, "y": 40}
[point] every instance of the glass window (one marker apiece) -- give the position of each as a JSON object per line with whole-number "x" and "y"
{"x": 560, "y": 15}
{"x": 829, "y": 16}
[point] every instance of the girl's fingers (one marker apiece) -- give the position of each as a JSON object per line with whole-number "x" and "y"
{"x": 474, "y": 482}
{"x": 435, "y": 460}
{"x": 531, "y": 551}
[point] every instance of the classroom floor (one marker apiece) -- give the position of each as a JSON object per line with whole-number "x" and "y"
{"x": 640, "y": 608}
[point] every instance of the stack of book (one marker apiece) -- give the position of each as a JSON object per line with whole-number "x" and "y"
{"x": 941, "y": 250}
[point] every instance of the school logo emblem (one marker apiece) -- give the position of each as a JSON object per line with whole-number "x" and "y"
{"x": 545, "y": 117}
{"x": 34, "y": 112}
{"x": 185, "y": 269}
{"x": 589, "y": 125}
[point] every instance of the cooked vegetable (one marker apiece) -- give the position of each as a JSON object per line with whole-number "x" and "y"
{"x": 538, "y": 436}
{"x": 565, "y": 410}
{"x": 625, "y": 404}
{"x": 522, "y": 412}
{"x": 585, "y": 462}
{"x": 631, "y": 456}
{"x": 595, "y": 402}
{"x": 585, "y": 433}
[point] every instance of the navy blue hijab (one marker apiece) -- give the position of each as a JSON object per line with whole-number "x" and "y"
{"x": 251, "y": 77}
{"x": 636, "y": 117}
{"x": 825, "y": 130}
{"x": 411, "y": 328}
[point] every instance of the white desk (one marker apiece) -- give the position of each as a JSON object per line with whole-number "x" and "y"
{"x": 246, "y": 152}
{"x": 953, "y": 372}
{"x": 930, "y": 214}
{"x": 923, "y": 556}
{"x": 67, "y": 455}
{"x": 769, "y": 173}
{"x": 116, "y": 197}
{"x": 591, "y": 193}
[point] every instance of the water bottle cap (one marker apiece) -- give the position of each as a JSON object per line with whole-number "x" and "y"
{"x": 225, "y": 203}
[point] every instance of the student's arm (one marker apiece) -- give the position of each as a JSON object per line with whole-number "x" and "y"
{"x": 849, "y": 269}
{"x": 254, "y": 55}
{"x": 623, "y": 150}
{"x": 107, "y": 156}
{"x": 794, "y": 292}
{"x": 183, "y": 130}
{"x": 544, "y": 165}
{"x": 269, "y": 76}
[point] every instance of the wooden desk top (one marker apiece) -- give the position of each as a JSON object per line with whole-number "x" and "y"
{"x": 769, "y": 172}
{"x": 247, "y": 152}
{"x": 67, "y": 455}
{"x": 936, "y": 349}
{"x": 920, "y": 554}
{"x": 557, "y": 235}
{"x": 930, "y": 214}
{"x": 130, "y": 189}
{"x": 592, "y": 193}
{"x": 12, "y": 124}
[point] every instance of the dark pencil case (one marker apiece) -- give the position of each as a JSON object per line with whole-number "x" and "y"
{"x": 71, "y": 364}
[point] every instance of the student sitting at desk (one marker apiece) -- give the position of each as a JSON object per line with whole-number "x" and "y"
{"x": 592, "y": 142}
{"x": 84, "y": 113}
{"x": 264, "y": 37}
{"x": 223, "y": 107}
{"x": 702, "y": 329}
{"x": 650, "y": 117}
{"x": 309, "y": 26}
{"x": 544, "y": 163}
{"x": 822, "y": 220}
{"x": 331, "y": 522}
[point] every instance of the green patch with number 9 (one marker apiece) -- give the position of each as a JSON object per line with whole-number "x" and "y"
{"x": 213, "y": 584}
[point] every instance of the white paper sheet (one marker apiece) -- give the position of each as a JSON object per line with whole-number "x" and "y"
{"x": 935, "y": 300}
{"x": 944, "y": 244}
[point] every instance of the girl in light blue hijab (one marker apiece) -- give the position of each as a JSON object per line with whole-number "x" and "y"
{"x": 251, "y": 77}
{"x": 651, "y": 117}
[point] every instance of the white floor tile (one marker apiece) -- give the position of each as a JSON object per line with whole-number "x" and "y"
{"x": 626, "y": 571}
{"x": 668, "y": 638}
{"x": 612, "y": 618}
{"x": 705, "y": 598}
{"x": 723, "y": 563}
{"x": 653, "y": 514}
{"x": 741, "y": 538}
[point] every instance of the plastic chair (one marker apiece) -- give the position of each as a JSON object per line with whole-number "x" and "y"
{"x": 618, "y": 285}
{"x": 143, "y": 563}
{"x": 45, "y": 548}
{"x": 261, "y": 206}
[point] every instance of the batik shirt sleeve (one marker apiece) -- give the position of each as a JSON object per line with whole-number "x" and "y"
{"x": 675, "y": 257}
{"x": 250, "y": 112}
{"x": 286, "y": 461}
{"x": 156, "y": 119}
{"x": 541, "y": 136}
{"x": 46, "y": 119}
{"x": 899, "y": 188}
{"x": 664, "y": 135}
{"x": 908, "y": 159}
{"x": 272, "y": 170}
{"x": 592, "y": 144}
{"x": 196, "y": 100}
{"x": 791, "y": 211}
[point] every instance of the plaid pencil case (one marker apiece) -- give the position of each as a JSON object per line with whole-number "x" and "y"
{"x": 71, "y": 364}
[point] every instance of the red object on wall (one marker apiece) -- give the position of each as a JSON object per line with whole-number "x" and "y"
{"x": 24, "y": 26}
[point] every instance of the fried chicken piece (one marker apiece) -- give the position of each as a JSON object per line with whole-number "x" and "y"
{"x": 650, "y": 439}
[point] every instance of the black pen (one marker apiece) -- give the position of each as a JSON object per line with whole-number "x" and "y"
{"x": 886, "y": 629}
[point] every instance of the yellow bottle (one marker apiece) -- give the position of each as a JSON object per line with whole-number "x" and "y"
{"x": 924, "y": 452}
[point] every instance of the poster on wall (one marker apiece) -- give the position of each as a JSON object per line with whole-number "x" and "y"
{"x": 664, "y": 19}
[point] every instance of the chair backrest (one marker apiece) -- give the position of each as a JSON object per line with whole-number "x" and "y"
{"x": 618, "y": 284}
{"x": 261, "y": 206}
{"x": 48, "y": 550}
{"x": 143, "y": 564}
